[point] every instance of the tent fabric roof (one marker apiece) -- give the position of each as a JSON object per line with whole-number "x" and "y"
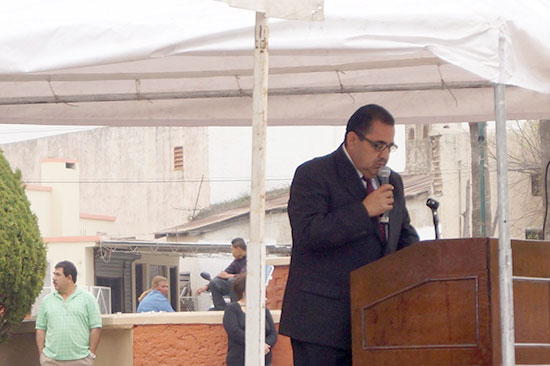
{"x": 137, "y": 63}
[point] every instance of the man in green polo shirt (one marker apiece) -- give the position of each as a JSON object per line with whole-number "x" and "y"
{"x": 68, "y": 323}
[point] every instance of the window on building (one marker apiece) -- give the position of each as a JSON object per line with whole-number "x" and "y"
{"x": 140, "y": 286}
{"x": 178, "y": 158}
{"x": 174, "y": 298}
{"x": 536, "y": 186}
{"x": 533, "y": 234}
{"x": 411, "y": 133}
{"x": 157, "y": 270}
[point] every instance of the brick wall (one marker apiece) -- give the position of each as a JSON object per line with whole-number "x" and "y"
{"x": 191, "y": 345}
{"x": 276, "y": 288}
{"x": 204, "y": 344}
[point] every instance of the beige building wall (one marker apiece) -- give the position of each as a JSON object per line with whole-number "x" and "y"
{"x": 57, "y": 206}
{"x": 78, "y": 250}
{"x": 277, "y": 230}
{"x": 73, "y": 235}
{"x": 40, "y": 198}
{"x": 127, "y": 172}
{"x": 195, "y": 265}
{"x": 526, "y": 209}
{"x": 444, "y": 152}
{"x": 421, "y": 216}
{"x": 454, "y": 171}
{"x": 91, "y": 224}
{"x": 159, "y": 260}
{"x": 62, "y": 175}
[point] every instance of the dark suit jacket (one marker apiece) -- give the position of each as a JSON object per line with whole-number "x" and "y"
{"x": 234, "y": 322}
{"x": 332, "y": 235}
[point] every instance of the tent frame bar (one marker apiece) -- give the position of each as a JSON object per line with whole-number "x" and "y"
{"x": 91, "y": 76}
{"x": 237, "y": 93}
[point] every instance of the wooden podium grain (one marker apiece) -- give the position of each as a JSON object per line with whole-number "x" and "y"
{"x": 437, "y": 303}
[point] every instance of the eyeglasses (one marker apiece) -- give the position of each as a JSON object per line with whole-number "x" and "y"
{"x": 377, "y": 145}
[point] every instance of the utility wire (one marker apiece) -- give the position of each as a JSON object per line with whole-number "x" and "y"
{"x": 214, "y": 180}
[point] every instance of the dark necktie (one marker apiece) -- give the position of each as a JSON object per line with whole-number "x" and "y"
{"x": 381, "y": 227}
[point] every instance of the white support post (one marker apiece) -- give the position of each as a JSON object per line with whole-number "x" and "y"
{"x": 504, "y": 243}
{"x": 255, "y": 281}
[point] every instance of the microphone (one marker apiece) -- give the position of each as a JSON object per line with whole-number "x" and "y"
{"x": 384, "y": 178}
{"x": 434, "y": 205}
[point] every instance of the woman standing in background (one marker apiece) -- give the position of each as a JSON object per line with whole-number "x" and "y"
{"x": 234, "y": 320}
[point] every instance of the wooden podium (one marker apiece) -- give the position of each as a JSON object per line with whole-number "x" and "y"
{"x": 437, "y": 303}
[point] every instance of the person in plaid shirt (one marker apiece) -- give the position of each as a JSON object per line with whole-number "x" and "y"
{"x": 68, "y": 325}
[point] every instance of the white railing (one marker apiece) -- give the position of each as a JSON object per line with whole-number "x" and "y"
{"x": 101, "y": 294}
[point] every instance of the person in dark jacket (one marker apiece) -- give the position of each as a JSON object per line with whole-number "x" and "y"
{"x": 335, "y": 208}
{"x": 222, "y": 284}
{"x": 234, "y": 320}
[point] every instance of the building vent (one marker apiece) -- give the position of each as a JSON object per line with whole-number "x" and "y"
{"x": 178, "y": 158}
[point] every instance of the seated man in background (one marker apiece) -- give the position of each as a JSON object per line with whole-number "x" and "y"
{"x": 221, "y": 284}
{"x": 156, "y": 298}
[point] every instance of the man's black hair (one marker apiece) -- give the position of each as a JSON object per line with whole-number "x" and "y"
{"x": 239, "y": 243}
{"x": 68, "y": 269}
{"x": 361, "y": 121}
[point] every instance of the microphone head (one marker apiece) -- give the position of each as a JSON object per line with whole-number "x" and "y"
{"x": 384, "y": 174}
{"x": 433, "y": 204}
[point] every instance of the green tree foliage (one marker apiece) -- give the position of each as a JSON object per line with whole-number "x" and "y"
{"x": 22, "y": 252}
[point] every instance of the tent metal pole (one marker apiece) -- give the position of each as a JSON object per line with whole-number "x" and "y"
{"x": 255, "y": 279}
{"x": 504, "y": 243}
{"x": 481, "y": 139}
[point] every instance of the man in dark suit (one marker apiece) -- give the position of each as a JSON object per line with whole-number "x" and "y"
{"x": 336, "y": 229}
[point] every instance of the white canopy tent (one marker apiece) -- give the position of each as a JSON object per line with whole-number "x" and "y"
{"x": 189, "y": 63}
{"x": 149, "y": 64}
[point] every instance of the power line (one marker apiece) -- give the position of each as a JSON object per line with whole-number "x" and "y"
{"x": 151, "y": 181}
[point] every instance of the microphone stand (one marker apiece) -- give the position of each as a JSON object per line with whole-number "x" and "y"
{"x": 436, "y": 222}
{"x": 434, "y": 205}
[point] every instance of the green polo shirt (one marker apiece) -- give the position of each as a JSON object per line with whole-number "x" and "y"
{"x": 67, "y": 324}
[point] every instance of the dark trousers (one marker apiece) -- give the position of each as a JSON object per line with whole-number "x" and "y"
{"x": 220, "y": 287}
{"x": 309, "y": 354}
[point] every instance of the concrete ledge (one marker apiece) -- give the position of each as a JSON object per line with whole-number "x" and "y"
{"x": 277, "y": 261}
{"x": 146, "y": 339}
{"x": 191, "y": 317}
{"x": 128, "y": 321}
{"x": 116, "y": 321}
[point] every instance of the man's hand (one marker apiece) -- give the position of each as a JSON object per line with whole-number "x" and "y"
{"x": 267, "y": 348}
{"x": 94, "y": 339}
{"x": 202, "y": 289}
{"x": 40, "y": 340}
{"x": 379, "y": 201}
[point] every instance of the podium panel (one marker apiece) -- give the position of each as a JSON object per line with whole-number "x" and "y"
{"x": 437, "y": 303}
{"x": 396, "y": 323}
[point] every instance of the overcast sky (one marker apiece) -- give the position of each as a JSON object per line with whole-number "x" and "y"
{"x": 14, "y": 133}
{"x": 287, "y": 147}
